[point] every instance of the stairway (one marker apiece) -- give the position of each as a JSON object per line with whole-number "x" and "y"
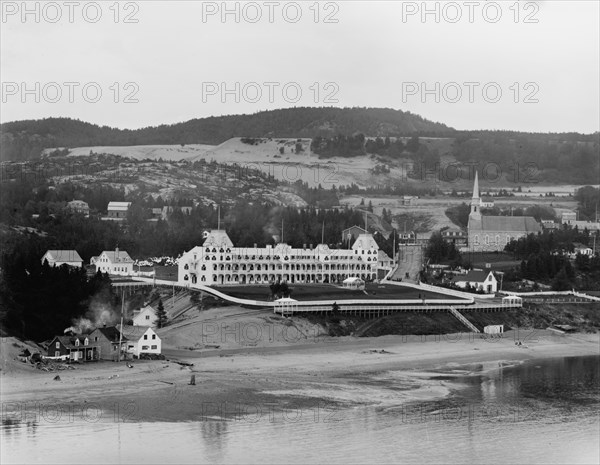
{"x": 460, "y": 317}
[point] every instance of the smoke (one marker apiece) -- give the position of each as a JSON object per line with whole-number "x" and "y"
{"x": 99, "y": 313}
{"x": 273, "y": 225}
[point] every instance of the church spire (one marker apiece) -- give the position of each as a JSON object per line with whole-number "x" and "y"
{"x": 475, "y": 200}
{"x": 476, "y": 187}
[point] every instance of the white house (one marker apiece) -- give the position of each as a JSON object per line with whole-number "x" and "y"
{"x": 480, "y": 280}
{"x": 115, "y": 262}
{"x": 118, "y": 210}
{"x": 79, "y": 206}
{"x": 141, "y": 340}
{"x": 145, "y": 316}
{"x": 62, "y": 257}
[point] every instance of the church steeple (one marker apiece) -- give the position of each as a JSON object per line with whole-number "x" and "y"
{"x": 475, "y": 200}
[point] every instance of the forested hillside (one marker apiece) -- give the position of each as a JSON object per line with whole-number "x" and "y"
{"x": 23, "y": 140}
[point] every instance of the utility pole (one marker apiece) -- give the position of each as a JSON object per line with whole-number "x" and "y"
{"x": 121, "y": 328}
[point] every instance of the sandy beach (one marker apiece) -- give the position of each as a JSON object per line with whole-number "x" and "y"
{"x": 329, "y": 374}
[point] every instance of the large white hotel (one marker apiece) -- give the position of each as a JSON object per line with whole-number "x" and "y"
{"x": 218, "y": 262}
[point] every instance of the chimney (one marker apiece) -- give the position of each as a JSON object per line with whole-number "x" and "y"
{"x": 304, "y": 246}
{"x": 311, "y": 246}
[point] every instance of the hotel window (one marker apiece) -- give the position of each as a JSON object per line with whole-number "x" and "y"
{"x": 507, "y": 239}
{"x": 147, "y": 317}
{"x": 154, "y": 336}
{"x": 476, "y": 239}
{"x": 145, "y": 336}
{"x": 154, "y": 347}
{"x": 497, "y": 239}
{"x": 58, "y": 345}
{"x": 487, "y": 239}
{"x": 57, "y": 354}
{"x": 144, "y": 347}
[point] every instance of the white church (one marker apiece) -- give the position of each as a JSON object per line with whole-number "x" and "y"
{"x": 492, "y": 233}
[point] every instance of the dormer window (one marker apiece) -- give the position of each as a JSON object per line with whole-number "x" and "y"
{"x": 77, "y": 342}
{"x": 86, "y": 341}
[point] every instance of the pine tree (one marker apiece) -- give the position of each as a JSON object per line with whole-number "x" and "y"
{"x": 161, "y": 314}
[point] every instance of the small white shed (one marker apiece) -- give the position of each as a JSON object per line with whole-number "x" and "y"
{"x": 493, "y": 329}
{"x": 353, "y": 283}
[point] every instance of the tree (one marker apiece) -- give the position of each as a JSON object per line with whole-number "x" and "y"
{"x": 561, "y": 281}
{"x": 161, "y": 314}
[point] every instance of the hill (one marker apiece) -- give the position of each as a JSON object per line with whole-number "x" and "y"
{"x": 24, "y": 140}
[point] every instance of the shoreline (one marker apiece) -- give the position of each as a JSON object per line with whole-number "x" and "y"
{"x": 333, "y": 374}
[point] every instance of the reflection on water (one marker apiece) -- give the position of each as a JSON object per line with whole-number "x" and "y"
{"x": 536, "y": 412}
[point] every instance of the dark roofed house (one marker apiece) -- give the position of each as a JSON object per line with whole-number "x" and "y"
{"x": 107, "y": 339}
{"x": 350, "y": 234}
{"x": 76, "y": 348}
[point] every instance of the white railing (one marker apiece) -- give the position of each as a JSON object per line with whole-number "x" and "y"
{"x": 460, "y": 317}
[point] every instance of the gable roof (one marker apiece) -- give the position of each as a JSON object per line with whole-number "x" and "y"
{"x": 473, "y": 276}
{"x": 147, "y": 308}
{"x": 64, "y": 255}
{"x": 134, "y": 333}
{"x": 217, "y": 238}
{"x": 117, "y": 257}
{"x": 111, "y": 333}
{"x": 362, "y": 230}
{"x": 69, "y": 341}
{"x": 119, "y": 206}
{"x": 526, "y": 224}
{"x": 381, "y": 255}
{"x": 365, "y": 241}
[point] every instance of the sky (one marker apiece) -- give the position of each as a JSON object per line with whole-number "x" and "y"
{"x": 527, "y": 66}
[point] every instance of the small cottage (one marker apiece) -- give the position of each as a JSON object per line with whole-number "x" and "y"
{"x": 62, "y": 257}
{"x": 480, "y": 280}
{"x": 141, "y": 340}
{"x": 145, "y": 316}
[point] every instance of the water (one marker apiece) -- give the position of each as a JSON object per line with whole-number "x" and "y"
{"x": 536, "y": 412}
